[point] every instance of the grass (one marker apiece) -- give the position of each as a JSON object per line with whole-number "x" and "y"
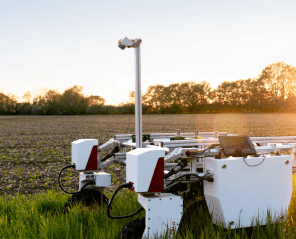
{"x": 41, "y": 216}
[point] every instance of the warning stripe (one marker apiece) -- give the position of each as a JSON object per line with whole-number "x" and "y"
{"x": 92, "y": 163}
{"x": 157, "y": 181}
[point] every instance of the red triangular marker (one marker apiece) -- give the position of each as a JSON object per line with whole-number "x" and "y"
{"x": 157, "y": 181}
{"x": 92, "y": 163}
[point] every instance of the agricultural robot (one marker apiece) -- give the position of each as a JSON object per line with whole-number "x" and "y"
{"x": 243, "y": 180}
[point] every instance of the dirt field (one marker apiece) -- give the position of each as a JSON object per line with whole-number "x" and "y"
{"x": 34, "y": 148}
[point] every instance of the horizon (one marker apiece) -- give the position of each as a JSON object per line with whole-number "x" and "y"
{"x": 56, "y": 45}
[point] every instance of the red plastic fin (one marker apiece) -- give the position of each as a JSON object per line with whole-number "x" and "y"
{"x": 92, "y": 163}
{"x": 132, "y": 187}
{"x": 157, "y": 181}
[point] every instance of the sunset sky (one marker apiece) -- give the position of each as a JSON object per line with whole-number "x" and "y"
{"x": 57, "y": 44}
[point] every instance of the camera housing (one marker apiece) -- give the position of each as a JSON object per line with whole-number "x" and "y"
{"x": 126, "y": 42}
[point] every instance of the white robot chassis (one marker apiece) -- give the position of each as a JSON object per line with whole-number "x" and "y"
{"x": 238, "y": 173}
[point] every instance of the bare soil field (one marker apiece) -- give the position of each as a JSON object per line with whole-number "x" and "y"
{"x": 33, "y": 149}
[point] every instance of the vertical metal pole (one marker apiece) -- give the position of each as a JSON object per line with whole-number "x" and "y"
{"x": 193, "y": 166}
{"x": 293, "y": 154}
{"x": 138, "y": 98}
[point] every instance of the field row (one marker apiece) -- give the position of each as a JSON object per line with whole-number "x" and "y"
{"x": 34, "y": 148}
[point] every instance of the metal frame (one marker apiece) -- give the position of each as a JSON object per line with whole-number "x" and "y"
{"x": 177, "y": 148}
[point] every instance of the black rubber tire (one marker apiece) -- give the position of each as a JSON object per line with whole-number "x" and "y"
{"x": 86, "y": 197}
{"x": 134, "y": 229}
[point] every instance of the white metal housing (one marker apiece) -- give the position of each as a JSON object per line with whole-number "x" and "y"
{"x": 163, "y": 212}
{"x": 101, "y": 179}
{"x": 140, "y": 166}
{"x": 242, "y": 195}
{"x": 81, "y": 151}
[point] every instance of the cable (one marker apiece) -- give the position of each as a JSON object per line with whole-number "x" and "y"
{"x": 192, "y": 153}
{"x": 177, "y": 168}
{"x": 239, "y": 152}
{"x": 254, "y": 165}
{"x": 89, "y": 183}
{"x": 190, "y": 174}
{"x": 68, "y": 166}
{"x": 127, "y": 185}
{"x": 110, "y": 154}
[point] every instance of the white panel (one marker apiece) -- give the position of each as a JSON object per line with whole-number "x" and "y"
{"x": 244, "y": 194}
{"x": 215, "y": 209}
{"x": 103, "y": 179}
{"x": 140, "y": 165}
{"x": 80, "y": 151}
{"x": 163, "y": 211}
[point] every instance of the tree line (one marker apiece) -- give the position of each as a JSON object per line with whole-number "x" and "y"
{"x": 272, "y": 91}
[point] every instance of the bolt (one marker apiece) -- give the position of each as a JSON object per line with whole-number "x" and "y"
{"x": 171, "y": 198}
{"x": 148, "y": 228}
{"x": 181, "y": 212}
{"x": 224, "y": 166}
{"x": 287, "y": 162}
{"x": 160, "y": 199}
{"x": 148, "y": 199}
{"x": 148, "y": 209}
{"x": 148, "y": 218}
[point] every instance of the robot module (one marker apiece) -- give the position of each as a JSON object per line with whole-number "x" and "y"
{"x": 243, "y": 180}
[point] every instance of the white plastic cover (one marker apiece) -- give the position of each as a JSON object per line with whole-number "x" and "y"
{"x": 81, "y": 150}
{"x": 140, "y": 165}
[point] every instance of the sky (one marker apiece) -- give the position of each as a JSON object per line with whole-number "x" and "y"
{"x": 53, "y": 44}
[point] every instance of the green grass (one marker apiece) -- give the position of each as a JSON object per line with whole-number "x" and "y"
{"x": 41, "y": 216}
